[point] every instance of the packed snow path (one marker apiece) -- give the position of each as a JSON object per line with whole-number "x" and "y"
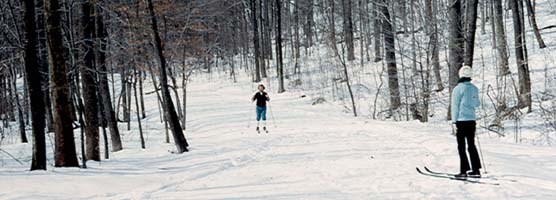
{"x": 311, "y": 152}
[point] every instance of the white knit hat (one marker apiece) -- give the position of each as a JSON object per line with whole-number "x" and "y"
{"x": 465, "y": 72}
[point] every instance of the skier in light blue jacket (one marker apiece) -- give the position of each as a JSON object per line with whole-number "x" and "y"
{"x": 465, "y": 99}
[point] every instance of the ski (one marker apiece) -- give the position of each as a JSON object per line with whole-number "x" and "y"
{"x": 438, "y": 173}
{"x": 448, "y": 174}
{"x": 450, "y": 177}
{"x": 482, "y": 177}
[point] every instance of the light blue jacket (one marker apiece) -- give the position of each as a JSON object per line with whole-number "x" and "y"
{"x": 465, "y": 98}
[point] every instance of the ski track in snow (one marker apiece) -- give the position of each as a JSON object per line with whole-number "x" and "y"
{"x": 311, "y": 152}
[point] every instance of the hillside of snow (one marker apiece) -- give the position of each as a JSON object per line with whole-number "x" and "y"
{"x": 311, "y": 152}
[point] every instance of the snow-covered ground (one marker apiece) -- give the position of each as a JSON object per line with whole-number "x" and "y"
{"x": 311, "y": 152}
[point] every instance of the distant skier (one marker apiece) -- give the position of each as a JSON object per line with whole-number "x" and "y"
{"x": 261, "y": 97}
{"x": 465, "y": 98}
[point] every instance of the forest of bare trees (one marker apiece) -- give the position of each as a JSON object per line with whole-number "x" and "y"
{"x": 83, "y": 63}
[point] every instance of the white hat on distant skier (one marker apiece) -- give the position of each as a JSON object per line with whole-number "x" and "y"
{"x": 465, "y": 72}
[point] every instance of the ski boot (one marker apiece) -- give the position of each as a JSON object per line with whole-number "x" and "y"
{"x": 475, "y": 174}
{"x": 461, "y": 176}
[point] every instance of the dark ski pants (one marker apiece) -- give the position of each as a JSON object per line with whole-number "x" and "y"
{"x": 466, "y": 132}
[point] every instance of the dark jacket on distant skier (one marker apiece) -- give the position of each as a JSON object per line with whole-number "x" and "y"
{"x": 261, "y": 98}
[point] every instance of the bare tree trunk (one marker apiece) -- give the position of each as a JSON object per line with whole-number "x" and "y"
{"x": 256, "y": 41}
{"x": 367, "y": 20}
{"x": 184, "y": 91}
{"x": 403, "y": 15}
{"x": 11, "y": 97}
{"x": 123, "y": 94}
{"x": 3, "y": 99}
{"x": 34, "y": 79}
{"x": 141, "y": 99}
{"x": 501, "y": 40}
{"x": 137, "y": 109}
{"x": 348, "y": 29}
{"x": 106, "y": 149}
{"x": 76, "y": 97}
{"x": 500, "y": 43}
{"x": 262, "y": 39}
{"x": 159, "y": 102}
{"x": 103, "y": 125}
{"x": 128, "y": 103}
{"x": 377, "y": 26}
{"x": 65, "y": 146}
{"x": 471, "y": 27}
{"x": 184, "y": 80}
{"x": 310, "y": 23}
{"x": 20, "y": 117}
{"x": 348, "y": 84}
{"x": 104, "y": 90}
{"x": 296, "y": 41}
{"x": 89, "y": 87}
{"x": 389, "y": 47}
{"x": 484, "y": 16}
{"x": 432, "y": 31}
{"x": 26, "y": 110}
{"x": 455, "y": 45}
{"x": 43, "y": 63}
{"x": 333, "y": 26}
{"x": 361, "y": 33}
{"x": 521, "y": 61}
{"x": 172, "y": 116}
{"x": 278, "y": 32}
{"x": 175, "y": 89}
{"x": 533, "y": 21}
{"x": 268, "y": 28}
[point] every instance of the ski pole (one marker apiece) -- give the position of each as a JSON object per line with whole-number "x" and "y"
{"x": 249, "y": 117}
{"x": 272, "y": 113}
{"x": 477, "y": 136}
{"x": 481, "y": 152}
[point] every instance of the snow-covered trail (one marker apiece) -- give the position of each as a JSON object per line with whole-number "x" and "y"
{"x": 311, "y": 152}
